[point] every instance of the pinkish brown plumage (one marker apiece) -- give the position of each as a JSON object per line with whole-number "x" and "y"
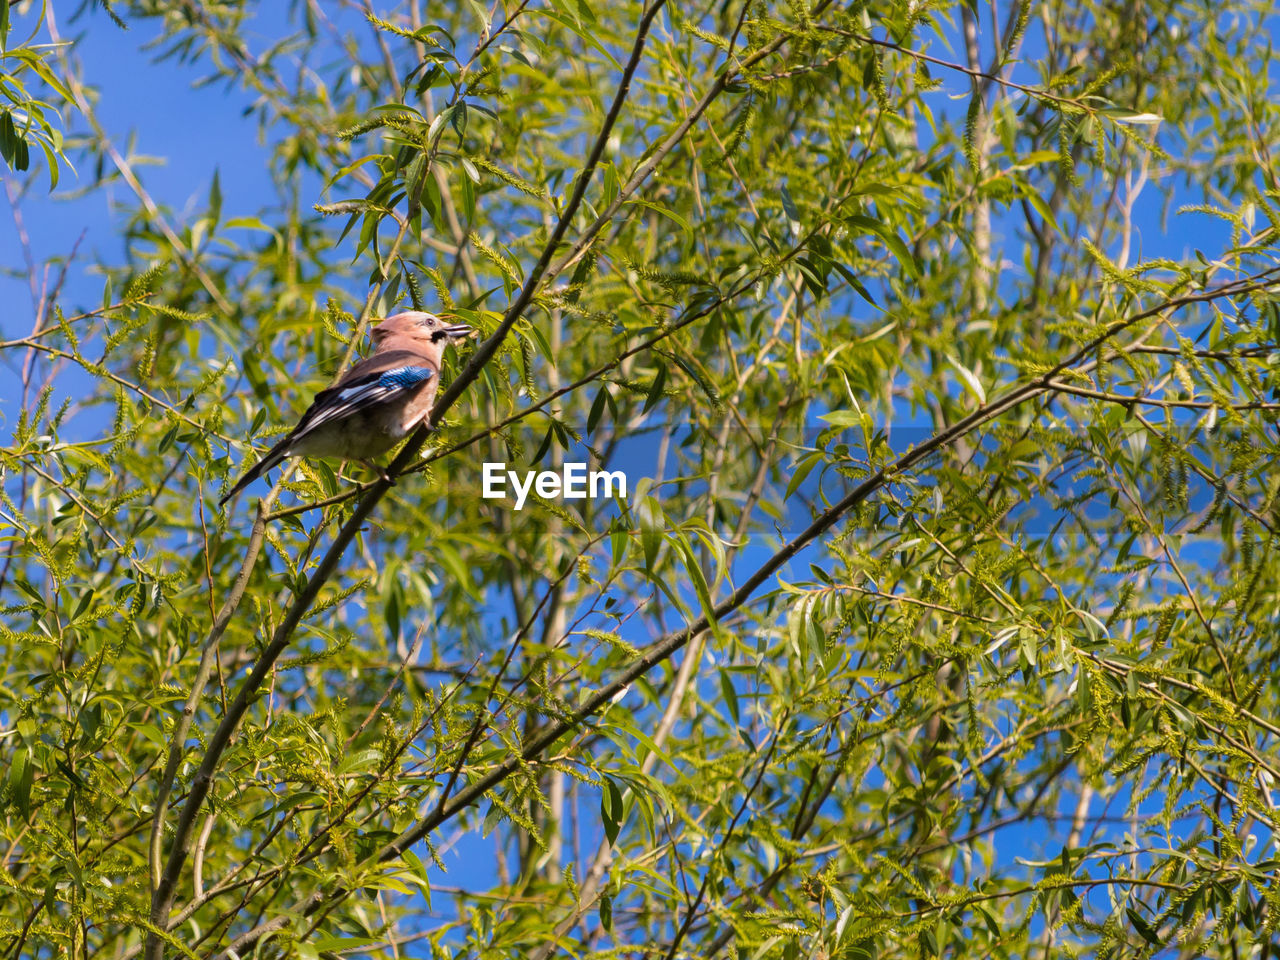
{"x": 377, "y": 403}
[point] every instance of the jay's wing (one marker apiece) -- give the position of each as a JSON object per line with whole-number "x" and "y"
{"x": 381, "y": 378}
{"x": 368, "y": 384}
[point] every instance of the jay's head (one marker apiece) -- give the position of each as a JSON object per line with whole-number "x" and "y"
{"x": 420, "y": 326}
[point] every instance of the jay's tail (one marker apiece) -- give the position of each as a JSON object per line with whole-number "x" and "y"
{"x": 272, "y": 457}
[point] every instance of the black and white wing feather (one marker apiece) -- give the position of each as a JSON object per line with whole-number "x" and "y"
{"x": 370, "y": 384}
{"x": 359, "y": 394}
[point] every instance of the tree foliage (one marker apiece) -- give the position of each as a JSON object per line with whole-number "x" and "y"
{"x": 938, "y": 344}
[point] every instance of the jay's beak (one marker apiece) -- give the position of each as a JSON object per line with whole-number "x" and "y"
{"x": 459, "y": 330}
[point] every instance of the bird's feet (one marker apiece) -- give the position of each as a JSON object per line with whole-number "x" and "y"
{"x": 379, "y": 472}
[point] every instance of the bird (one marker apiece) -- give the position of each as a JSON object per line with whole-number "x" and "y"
{"x": 377, "y": 403}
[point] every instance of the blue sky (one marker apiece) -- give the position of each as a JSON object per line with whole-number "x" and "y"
{"x": 196, "y": 130}
{"x": 200, "y": 129}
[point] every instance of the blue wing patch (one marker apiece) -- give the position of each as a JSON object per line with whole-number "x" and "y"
{"x": 405, "y": 377}
{"x": 368, "y": 391}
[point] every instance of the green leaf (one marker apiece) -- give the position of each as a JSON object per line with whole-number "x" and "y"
{"x": 597, "y": 408}
{"x": 571, "y": 21}
{"x": 802, "y": 470}
{"x": 789, "y": 205}
{"x": 611, "y": 813}
{"x": 693, "y": 569}
{"x": 215, "y": 199}
{"x": 842, "y": 419}
{"x": 656, "y": 388}
{"x": 1144, "y": 929}
{"x": 1129, "y": 116}
{"x": 652, "y": 527}
{"x": 854, "y": 282}
{"x": 20, "y": 780}
{"x": 1038, "y": 202}
{"x": 891, "y": 240}
{"x": 666, "y": 212}
{"x": 729, "y": 694}
{"x": 8, "y": 137}
{"x": 391, "y": 613}
{"x": 971, "y": 382}
{"x": 545, "y": 447}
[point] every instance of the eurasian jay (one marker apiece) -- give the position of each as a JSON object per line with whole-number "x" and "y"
{"x": 377, "y": 403}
